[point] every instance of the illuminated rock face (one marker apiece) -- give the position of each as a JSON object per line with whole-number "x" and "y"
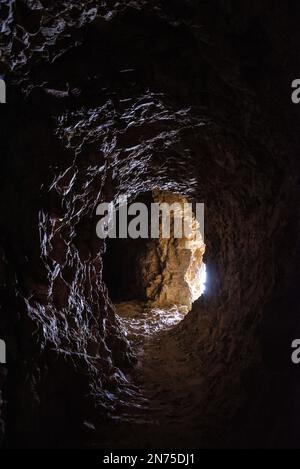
{"x": 172, "y": 267}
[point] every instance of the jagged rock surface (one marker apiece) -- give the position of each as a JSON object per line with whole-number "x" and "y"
{"x": 117, "y": 98}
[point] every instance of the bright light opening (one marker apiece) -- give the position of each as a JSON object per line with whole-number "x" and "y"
{"x": 154, "y": 282}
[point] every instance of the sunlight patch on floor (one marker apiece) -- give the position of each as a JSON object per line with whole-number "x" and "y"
{"x": 142, "y": 321}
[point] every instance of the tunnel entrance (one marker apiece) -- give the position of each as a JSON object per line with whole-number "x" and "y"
{"x": 158, "y": 277}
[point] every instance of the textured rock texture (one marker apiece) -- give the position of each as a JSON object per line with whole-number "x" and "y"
{"x": 108, "y": 99}
{"x": 171, "y": 267}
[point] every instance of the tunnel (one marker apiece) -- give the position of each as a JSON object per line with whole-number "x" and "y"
{"x": 158, "y": 278}
{"x": 149, "y": 266}
{"x": 145, "y": 341}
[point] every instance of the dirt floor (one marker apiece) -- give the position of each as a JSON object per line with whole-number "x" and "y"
{"x": 165, "y": 384}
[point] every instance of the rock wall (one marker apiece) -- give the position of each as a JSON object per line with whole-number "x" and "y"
{"x": 92, "y": 117}
{"x": 171, "y": 266}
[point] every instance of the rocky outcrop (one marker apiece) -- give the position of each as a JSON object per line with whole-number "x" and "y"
{"x": 172, "y": 265}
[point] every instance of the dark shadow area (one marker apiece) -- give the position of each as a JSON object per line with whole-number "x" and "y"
{"x": 122, "y": 260}
{"x": 121, "y": 272}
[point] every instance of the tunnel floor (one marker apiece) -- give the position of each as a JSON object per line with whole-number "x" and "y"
{"x": 143, "y": 322}
{"x": 163, "y": 388}
{"x": 153, "y": 284}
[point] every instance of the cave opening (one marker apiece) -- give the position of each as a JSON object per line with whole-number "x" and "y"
{"x": 154, "y": 281}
